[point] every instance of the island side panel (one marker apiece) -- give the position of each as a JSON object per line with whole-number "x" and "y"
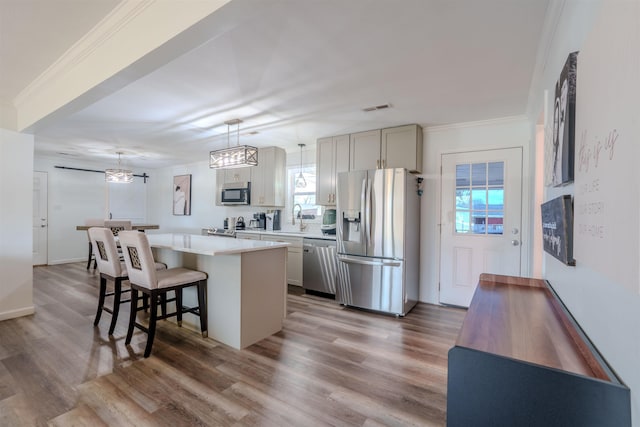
{"x": 223, "y": 292}
{"x": 264, "y": 288}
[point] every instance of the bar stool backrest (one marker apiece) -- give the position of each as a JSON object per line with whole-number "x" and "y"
{"x": 138, "y": 258}
{"x": 106, "y": 251}
{"x": 117, "y": 226}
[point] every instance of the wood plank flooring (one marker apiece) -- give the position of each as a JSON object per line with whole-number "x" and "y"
{"x": 329, "y": 366}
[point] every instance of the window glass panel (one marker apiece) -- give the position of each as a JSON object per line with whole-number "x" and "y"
{"x": 479, "y": 220}
{"x": 478, "y": 174}
{"x": 462, "y": 221}
{"x": 462, "y": 198}
{"x": 496, "y": 173}
{"x": 305, "y": 196}
{"x": 496, "y": 199}
{"x": 462, "y": 175}
{"x": 495, "y": 223}
{"x": 479, "y": 199}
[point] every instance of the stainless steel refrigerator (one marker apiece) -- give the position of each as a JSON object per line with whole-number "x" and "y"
{"x": 378, "y": 240}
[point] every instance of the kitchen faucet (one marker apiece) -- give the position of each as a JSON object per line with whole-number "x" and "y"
{"x": 293, "y": 216}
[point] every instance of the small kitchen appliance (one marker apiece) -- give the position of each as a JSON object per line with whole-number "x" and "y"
{"x": 329, "y": 222}
{"x": 240, "y": 225}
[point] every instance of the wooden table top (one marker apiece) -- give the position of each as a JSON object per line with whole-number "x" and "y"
{"x": 133, "y": 227}
{"x": 522, "y": 319}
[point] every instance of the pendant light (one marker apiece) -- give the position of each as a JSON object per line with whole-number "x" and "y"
{"x": 300, "y": 181}
{"x": 233, "y": 157}
{"x": 118, "y": 175}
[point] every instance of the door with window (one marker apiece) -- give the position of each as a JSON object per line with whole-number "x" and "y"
{"x": 481, "y": 217}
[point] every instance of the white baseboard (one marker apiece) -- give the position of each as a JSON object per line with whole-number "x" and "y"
{"x": 12, "y": 314}
{"x": 66, "y": 261}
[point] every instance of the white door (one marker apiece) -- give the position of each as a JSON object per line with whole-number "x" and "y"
{"x": 481, "y": 217}
{"x": 40, "y": 218}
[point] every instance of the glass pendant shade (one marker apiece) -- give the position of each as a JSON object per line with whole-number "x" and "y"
{"x": 118, "y": 175}
{"x": 300, "y": 182}
{"x": 233, "y": 157}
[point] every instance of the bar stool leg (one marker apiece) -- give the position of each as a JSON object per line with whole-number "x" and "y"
{"x": 179, "y": 306}
{"x": 103, "y": 291}
{"x": 152, "y": 323}
{"x": 116, "y": 304}
{"x": 202, "y": 307}
{"x": 90, "y": 254}
{"x": 132, "y": 315}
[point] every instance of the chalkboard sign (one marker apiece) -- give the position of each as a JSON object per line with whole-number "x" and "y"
{"x": 557, "y": 228}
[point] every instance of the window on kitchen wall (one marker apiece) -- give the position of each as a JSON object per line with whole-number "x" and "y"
{"x": 303, "y": 192}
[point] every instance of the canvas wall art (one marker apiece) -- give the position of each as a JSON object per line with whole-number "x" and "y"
{"x": 564, "y": 123}
{"x": 182, "y": 195}
{"x": 557, "y": 228}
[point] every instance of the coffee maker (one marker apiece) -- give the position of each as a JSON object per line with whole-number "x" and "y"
{"x": 260, "y": 219}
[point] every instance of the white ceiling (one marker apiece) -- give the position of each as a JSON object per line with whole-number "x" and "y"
{"x": 292, "y": 70}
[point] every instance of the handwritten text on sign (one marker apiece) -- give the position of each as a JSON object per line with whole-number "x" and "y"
{"x": 591, "y": 209}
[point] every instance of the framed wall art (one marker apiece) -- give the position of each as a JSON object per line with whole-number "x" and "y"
{"x": 182, "y": 195}
{"x": 557, "y": 228}
{"x": 564, "y": 123}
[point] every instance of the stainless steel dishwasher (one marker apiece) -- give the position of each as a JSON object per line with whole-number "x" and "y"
{"x": 319, "y": 265}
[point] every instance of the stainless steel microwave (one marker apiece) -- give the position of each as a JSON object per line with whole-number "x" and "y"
{"x": 236, "y": 193}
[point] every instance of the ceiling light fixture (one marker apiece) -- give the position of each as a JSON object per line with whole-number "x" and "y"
{"x": 300, "y": 181}
{"x": 233, "y": 157}
{"x": 118, "y": 175}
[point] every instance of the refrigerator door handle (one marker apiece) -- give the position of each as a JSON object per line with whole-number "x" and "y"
{"x": 369, "y": 212}
{"x": 380, "y": 263}
{"x": 363, "y": 206}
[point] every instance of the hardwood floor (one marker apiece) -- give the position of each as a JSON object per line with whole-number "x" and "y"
{"x": 328, "y": 366}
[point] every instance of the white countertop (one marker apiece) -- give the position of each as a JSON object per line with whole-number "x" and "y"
{"x": 209, "y": 245}
{"x": 308, "y": 235}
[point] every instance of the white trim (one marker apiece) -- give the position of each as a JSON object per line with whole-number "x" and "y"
{"x": 110, "y": 25}
{"x": 490, "y": 122}
{"x": 12, "y": 314}
{"x": 547, "y": 35}
{"x": 67, "y": 261}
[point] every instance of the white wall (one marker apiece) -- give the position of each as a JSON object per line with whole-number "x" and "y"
{"x": 73, "y": 197}
{"x": 608, "y": 312}
{"x": 16, "y": 238}
{"x": 502, "y": 133}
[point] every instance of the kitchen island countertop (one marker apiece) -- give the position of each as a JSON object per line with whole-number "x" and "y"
{"x": 209, "y": 245}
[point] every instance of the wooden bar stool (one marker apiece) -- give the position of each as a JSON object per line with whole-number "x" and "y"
{"x": 110, "y": 268}
{"x": 145, "y": 279}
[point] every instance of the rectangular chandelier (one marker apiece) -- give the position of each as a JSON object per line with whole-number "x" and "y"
{"x": 239, "y": 156}
{"x": 233, "y": 157}
{"x": 118, "y": 175}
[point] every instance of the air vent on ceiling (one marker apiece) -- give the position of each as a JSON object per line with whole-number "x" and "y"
{"x": 376, "y": 107}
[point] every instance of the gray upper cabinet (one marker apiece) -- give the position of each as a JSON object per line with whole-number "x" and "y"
{"x": 401, "y": 147}
{"x": 397, "y": 147}
{"x": 365, "y": 150}
{"x": 332, "y": 157}
{"x": 268, "y": 179}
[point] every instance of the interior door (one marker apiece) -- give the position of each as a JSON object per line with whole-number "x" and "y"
{"x": 40, "y": 218}
{"x": 481, "y": 217}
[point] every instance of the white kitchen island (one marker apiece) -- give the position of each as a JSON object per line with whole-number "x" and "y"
{"x": 246, "y": 288}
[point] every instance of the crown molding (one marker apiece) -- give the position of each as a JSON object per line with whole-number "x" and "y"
{"x": 110, "y": 25}
{"x": 466, "y": 125}
{"x": 547, "y": 37}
